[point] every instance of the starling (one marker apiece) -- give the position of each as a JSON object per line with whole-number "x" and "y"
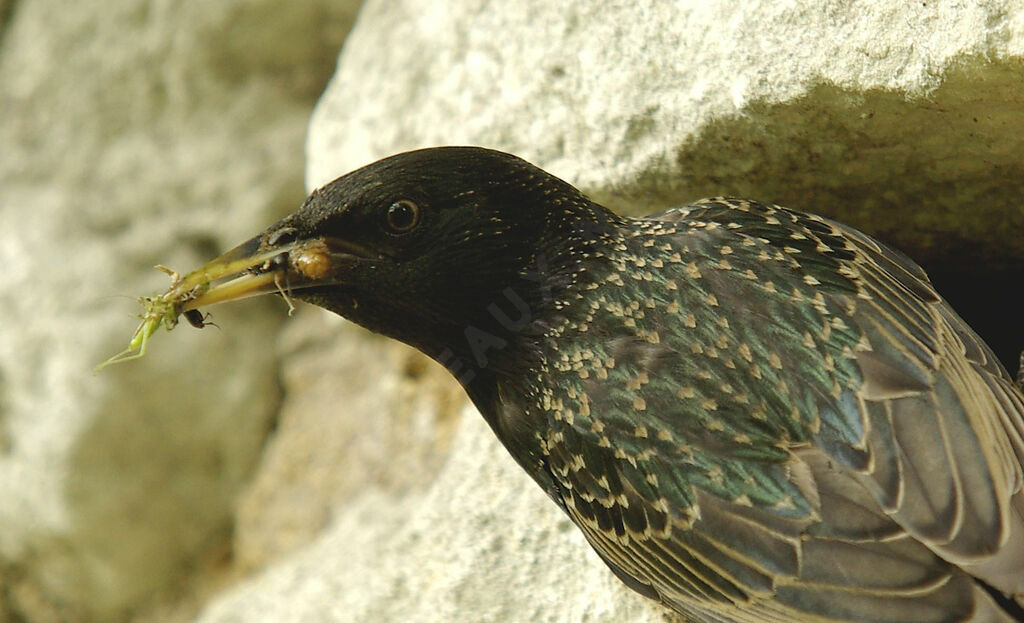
{"x": 752, "y": 413}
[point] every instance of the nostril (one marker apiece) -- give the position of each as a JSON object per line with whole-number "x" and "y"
{"x": 281, "y": 236}
{"x": 279, "y": 262}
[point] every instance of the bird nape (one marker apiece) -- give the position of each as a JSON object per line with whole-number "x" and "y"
{"x": 752, "y": 413}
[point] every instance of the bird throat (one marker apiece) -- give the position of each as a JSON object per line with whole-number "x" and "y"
{"x": 504, "y": 334}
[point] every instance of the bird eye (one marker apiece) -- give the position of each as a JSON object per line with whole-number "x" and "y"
{"x": 402, "y": 216}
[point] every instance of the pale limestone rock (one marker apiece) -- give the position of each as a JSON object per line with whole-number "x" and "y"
{"x": 136, "y": 132}
{"x": 358, "y": 409}
{"x": 480, "y": 543}
{"x": 855, "y": 107}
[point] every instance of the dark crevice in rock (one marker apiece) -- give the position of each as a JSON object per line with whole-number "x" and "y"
{"x": 6, "y": 17}
{"x": 989, "y": 301}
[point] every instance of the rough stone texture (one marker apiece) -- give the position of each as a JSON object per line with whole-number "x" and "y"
{"x": 480, "y": 543}
{"x": 136, "y": 132}
{"x": 358, "y": 409}
{"x": 896, "y": 118}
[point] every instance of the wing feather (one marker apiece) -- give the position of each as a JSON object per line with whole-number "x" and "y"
{"x": 856, "y": 456}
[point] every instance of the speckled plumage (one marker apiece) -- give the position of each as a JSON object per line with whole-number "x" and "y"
{"x": 753, "y": 414}
{"x": 732, "y": 363}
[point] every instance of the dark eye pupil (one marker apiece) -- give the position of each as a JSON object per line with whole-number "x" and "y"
{"x": 403, "y": 215}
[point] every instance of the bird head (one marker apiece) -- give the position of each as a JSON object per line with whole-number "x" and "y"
{"x": 436, "y": 247}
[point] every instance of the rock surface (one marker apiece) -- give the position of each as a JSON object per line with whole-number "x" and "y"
{"x": 896, "y": 118}
{"x": 136, "y": 132}
{"x": 479, "y": 543}
{"x": 357, "y": 409}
